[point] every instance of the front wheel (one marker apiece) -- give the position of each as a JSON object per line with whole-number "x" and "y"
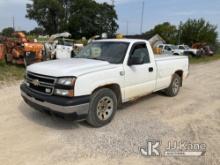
{"x": 103, "y": 105}
{"x": 174, "y": 87}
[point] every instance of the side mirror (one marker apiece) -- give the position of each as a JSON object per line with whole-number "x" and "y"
{"x": 136, "y": 61}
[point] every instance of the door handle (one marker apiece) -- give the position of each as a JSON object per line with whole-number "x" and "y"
{"x": 151, "y": 69}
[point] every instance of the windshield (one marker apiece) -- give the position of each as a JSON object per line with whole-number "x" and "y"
{"x": 113, "y": 52}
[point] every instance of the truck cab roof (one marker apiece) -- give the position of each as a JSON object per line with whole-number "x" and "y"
{"x": 121, "y": 40}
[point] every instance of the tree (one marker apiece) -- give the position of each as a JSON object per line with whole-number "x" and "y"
{"x": 193, "y": 31}
{"x": 106, "y": 19}
{"x": 37, "y": 31}
{"x": 167, "y": 31}
{"x": 82, "y": 21}
{"x": 79, "y": 17}
{"x": 47, "y": 13}
{"x": 7, "y": 31}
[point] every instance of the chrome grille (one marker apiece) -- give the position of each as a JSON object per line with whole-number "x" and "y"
{"x": 40, "y": 83}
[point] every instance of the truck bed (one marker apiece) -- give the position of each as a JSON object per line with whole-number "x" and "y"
{"x": 166, "y": 67}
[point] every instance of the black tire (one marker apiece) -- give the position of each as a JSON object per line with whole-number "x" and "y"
{"x": 54, "y": 57}
{"x": 6, "y": 59}
{"x": 73, "y": 54}
{"x": 192, "y": 54}
{"x": 174, "y": 87}
{"x": 97, "y": 105}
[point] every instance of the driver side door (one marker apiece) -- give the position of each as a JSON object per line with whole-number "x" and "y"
{"x": 140, "y": 75}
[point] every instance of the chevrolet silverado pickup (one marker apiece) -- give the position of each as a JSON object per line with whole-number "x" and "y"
{"x": 105, "y": 74}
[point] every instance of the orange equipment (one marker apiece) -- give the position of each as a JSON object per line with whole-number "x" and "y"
{"x": 19, "y": 50}
{"x": 2, "y": 51}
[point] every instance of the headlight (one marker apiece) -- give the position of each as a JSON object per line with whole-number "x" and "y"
{"x": 65, "y": 86}
{"x": 64, "y": 92}
{"x": 66, "y": 81}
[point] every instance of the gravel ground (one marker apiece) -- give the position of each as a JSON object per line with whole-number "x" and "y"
{"x": 28, "y": 137}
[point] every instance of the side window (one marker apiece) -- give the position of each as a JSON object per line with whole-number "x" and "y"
{"x": 167, "y": 48}
{"x": 140, "y": 51}
{"x": 161, "y": 46}
{"x": 181, "y": 47}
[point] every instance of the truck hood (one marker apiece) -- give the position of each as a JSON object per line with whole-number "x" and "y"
{"x": 69, "y": 67}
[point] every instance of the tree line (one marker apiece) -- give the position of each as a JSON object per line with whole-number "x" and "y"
{"x": 80, "y": 17}
{"x": 190, "y": 32}
{"x": 86, "y": 18}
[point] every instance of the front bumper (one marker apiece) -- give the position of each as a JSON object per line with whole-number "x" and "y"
{"x": 78, "y": 106}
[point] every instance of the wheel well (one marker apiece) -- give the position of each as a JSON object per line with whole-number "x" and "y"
{"x": 180, "y": 73}
{"x": 115, "y": 88}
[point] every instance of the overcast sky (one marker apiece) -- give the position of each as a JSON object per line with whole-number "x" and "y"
{"x": 155, "y": 12}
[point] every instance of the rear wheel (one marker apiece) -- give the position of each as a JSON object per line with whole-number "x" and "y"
{"x": 174, "y": 87}
{"x": 103, "y": 106}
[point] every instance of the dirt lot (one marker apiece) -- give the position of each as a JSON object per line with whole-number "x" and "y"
{"x": 28, "y": 137}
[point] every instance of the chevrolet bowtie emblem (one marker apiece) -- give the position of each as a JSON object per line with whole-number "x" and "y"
{"x": 36, "y": 82}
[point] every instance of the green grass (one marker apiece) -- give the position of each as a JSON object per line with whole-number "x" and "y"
{"x": 11, "y": 72}
{"x": 205, "y": 59}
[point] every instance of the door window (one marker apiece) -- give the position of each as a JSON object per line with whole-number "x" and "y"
{"x": 181, "y": 47}
{"x": 140, "y": 51}
{"x": 167, "y": 48}
{"x": 161, "y": 46}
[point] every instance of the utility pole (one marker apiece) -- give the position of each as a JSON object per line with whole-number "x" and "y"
{"x": 113, "y": 2}
{"x": 13, "y": 22}
{"x": 142, "y": 18}
{"x": 127, "y": 28}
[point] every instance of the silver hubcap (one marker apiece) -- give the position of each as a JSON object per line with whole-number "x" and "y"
{"x": 105, "y": 108}
{"x": 176, "y": 85}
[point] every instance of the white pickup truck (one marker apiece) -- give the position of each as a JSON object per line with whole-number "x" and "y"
{"x": 170, "y": 49}
{"x": 105, "y": 74}
{"x": 186, "y": 50}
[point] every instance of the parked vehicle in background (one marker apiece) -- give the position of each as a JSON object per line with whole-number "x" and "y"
{"x": 77, "y": 48}
{"x": 64, "y": 49}
{"x": 59, "y": 46}
{"x": 52, "y": 42}
{"x": 103, "y": 75}
{"x": 204, "y": 49}
{"x": 208, "y": 50}
{"x": 19, "y": 50}
{"x": 169, "y": 49}
{"x": 186, "y": 50}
